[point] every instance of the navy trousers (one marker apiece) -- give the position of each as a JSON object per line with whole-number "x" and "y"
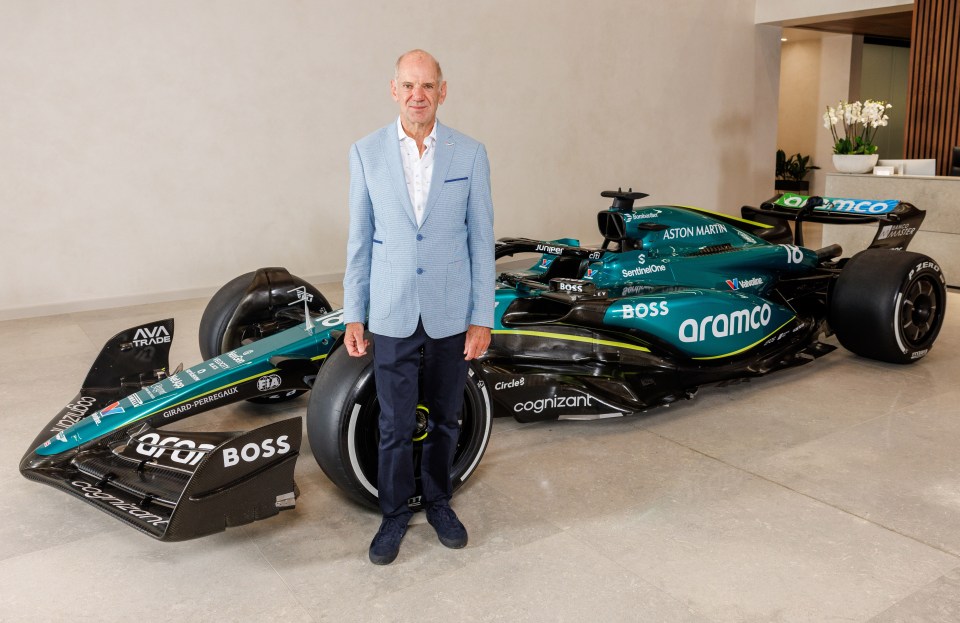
{"x": 396, "y": 364}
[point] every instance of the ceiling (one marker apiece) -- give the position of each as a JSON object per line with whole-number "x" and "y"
{"x": 894, "y": 26}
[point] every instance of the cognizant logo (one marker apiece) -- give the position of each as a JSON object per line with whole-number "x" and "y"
{"x": 725, "y": 325}
{"x": 555, "y": 402}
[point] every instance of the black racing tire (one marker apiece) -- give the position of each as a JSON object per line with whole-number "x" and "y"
{"x": 220, "y": 310}
{"x": 342, "y": 425}
{"x": 889, "y": 305}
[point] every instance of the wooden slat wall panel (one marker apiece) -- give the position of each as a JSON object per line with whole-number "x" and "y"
{"x": 933, "y": 95}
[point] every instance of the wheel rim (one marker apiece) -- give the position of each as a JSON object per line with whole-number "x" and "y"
{"x": 919, "y": 310}
{"x": 366, "y": 438}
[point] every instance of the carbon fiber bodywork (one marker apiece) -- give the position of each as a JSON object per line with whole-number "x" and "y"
{"x": 675, "y": 298}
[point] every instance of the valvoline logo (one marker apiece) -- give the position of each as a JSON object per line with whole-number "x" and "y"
{"x": 590, "y": 274}
{"x": 736, "y": 284}
{"x": 545, "y": 262}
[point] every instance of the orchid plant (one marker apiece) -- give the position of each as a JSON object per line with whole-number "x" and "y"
{"x": 859, "y": 121}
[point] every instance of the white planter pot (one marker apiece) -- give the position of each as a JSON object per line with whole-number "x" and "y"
{"x": 854, "y": 163}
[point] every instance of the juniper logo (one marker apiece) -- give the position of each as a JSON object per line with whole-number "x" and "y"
{"x": 552, "y": 250}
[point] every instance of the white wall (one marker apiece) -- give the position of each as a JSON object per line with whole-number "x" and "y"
{"x": 154, "y": 150}
{"x": 815, "y": 73}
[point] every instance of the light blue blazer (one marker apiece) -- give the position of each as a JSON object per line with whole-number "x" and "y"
{"x": 442, "y": 271}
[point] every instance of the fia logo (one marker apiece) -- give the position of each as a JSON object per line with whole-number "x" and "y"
{"x": 268, "y": 383}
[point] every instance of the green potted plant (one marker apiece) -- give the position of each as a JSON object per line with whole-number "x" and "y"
{"x": 792, "y": 171}
{"x": 853, "y": 148}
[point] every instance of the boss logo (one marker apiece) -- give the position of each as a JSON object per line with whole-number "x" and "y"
{"x": 642, "y": 310}
{"x": 253, "y": 451}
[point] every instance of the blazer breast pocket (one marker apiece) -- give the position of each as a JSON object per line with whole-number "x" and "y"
{"x": 455, "y": 192}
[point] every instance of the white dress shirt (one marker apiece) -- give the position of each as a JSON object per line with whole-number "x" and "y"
{"x": 417, "y": 169}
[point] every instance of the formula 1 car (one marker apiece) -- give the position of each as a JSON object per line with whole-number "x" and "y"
{"x": 675, "y": 298}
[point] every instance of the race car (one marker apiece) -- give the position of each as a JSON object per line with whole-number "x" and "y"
{"x": 675, "y": 298}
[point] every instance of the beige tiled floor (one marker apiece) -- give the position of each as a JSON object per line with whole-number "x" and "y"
{"x": 825, "y": 493}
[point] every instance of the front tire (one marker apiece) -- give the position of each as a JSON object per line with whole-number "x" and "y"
{"x": 889, "y": 305}
{"x": 342, "y": 425}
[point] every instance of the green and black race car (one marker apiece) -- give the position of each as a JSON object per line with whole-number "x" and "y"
{"x": 674, "y": 299}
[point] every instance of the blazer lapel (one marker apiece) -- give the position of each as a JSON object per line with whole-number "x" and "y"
{"x": 442, "y": 158}
{"x": 391, "y": 153}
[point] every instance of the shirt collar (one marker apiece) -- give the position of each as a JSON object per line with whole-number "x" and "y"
{"x": 431, "y": 138}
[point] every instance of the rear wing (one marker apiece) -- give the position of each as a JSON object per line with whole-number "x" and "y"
{"x": 898, "y": 220}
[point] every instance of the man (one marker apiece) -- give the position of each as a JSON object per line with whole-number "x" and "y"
{"x": 420, "y": 266}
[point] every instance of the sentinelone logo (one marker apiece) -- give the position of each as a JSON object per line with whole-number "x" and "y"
{"x": 643, "y": 270}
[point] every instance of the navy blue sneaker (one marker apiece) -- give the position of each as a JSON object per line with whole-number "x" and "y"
{"x": 386, "y": 544}
{"x": 449, "y": 529}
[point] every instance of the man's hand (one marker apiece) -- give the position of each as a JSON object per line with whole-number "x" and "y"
{"x": 353, "y": 340}
{"x": 478, "y": 340}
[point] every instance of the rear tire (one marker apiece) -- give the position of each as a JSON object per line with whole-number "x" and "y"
{"x": 889, "y": 305}
{"x": 342, "y": 425}
{"x": 220, "y": 332}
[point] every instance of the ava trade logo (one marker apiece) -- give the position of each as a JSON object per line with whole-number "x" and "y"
{"x": 736, "y": 284}
{"x": 146, "y": 336}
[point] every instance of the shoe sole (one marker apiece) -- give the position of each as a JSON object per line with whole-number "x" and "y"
{"x": 453, "y": 544}
{"x": 382, "y": 560}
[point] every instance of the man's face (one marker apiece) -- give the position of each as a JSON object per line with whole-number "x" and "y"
{"x": 418, "y": 90}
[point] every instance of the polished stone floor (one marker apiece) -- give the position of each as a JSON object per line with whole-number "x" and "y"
{"x": 825, "y": 493}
